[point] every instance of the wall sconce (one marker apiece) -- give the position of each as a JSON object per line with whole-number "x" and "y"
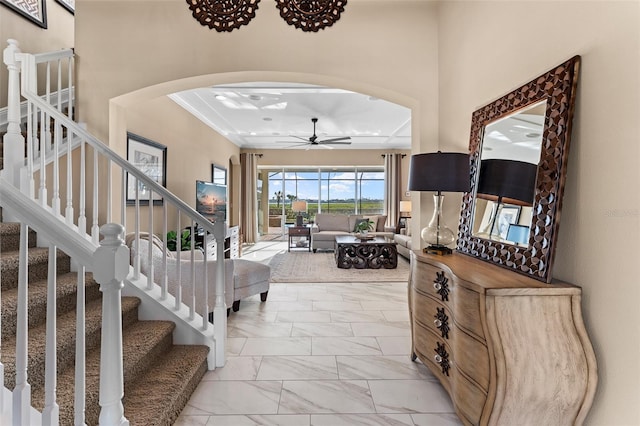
{"x": 439, "y": 172}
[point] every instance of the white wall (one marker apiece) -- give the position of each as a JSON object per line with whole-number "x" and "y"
{"x": 488, "y": 48}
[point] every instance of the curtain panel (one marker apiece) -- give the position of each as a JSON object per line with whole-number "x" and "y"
{"x": 392, "y": 179}
{"x": 248, "y": 198}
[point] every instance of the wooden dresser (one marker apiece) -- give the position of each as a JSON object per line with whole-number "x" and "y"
{"x": 231, "y": 244}
{"x": 509, "y": 350}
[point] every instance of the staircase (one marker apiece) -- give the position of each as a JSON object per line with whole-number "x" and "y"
{"x": 159, "y": 377}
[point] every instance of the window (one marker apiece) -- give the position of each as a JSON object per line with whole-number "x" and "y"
{"x": 218, "y": 175}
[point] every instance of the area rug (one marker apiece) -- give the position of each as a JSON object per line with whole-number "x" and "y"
{"x": 305, "y": 267}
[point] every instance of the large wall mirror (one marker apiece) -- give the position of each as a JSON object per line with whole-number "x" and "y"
{"x": 519, "y": 147}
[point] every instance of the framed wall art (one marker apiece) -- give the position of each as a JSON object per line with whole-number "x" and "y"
{"x": 507, "y": 215}
{"x": 151, "y": 158}
{"x": 33, "y": 10}
{"x": 70, "y": 5}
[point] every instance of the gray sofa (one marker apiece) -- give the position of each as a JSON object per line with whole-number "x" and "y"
{"x": 403, "y": 243}
{"x": 328, "y": 226}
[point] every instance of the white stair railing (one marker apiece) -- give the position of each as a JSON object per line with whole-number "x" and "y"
{"x": 92, "y": 170}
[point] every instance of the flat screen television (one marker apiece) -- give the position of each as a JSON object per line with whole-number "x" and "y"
{"x": 211, "y": 200}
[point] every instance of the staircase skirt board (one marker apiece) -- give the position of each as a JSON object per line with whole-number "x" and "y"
{"x": 159, "y": 377}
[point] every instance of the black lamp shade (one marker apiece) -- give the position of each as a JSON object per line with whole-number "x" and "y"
{"x": 513, "y": 182}
{"x": 440, "y": 171}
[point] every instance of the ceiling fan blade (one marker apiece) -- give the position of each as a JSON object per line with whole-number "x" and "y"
{"x": 344, "y": 138}
{"x": 296, "y": 144}
{"x": 325, "y": 146}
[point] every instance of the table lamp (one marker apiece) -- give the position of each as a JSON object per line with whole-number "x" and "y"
{"x": 439, "y": 172}
{"x": 299, "y": 206}
{"x": 506, "y": 182}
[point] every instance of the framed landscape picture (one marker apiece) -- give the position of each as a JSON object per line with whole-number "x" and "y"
{"x": 151, "y": 158}
{"x": 33, "y": 10}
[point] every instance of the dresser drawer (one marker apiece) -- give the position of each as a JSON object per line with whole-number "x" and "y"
{"x": 467, "y": 311}
{"x": 433, "y": 281}
{"x": 434, "y": 352}
{"x": 469, "y": 398}
{"x": 432, "y": 314}
{"x": 472, "y": 357}
{"x": 300, "y": 231}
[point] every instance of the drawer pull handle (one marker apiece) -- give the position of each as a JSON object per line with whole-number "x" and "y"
{"x": 442, "y": 358}
{"x": 442, "y": 322}
{"x": 441, "y": 286}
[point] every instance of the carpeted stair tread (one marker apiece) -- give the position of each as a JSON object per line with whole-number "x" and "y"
{"x": 10, "y": 236}
{"x": 159, "y": 397}
{"x": 38, "y": 258}
{"x": 66, "y": 336}
{"x": 66, "y": 300}
{"x": 144, "y": 342}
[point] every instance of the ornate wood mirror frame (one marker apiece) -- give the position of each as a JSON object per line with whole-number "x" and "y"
{"x": 558, "y": 88}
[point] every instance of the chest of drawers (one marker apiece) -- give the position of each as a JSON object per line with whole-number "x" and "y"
{"x": 508, "y": 349}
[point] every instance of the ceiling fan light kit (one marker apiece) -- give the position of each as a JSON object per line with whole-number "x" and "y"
{"x": 227, "y": 15}
{"x": 313, "y": 140}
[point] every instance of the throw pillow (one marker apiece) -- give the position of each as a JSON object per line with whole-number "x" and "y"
{"x": 382, "y": 220}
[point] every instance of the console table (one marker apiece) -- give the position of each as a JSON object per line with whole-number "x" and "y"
{"x": 509, "y": 350}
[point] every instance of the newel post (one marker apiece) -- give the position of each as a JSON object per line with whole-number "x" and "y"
{"x": 13, "y": 152}
{"x": 111, "y": 266}
{"x": 220, "y": 310}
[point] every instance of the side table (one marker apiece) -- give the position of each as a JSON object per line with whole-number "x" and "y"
{"x": 299, "y": 231}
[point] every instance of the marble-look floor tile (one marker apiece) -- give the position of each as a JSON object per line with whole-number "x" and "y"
{"x": 395, "y": 345}
{"x": 321, "y": 329}
{"x": 409, "y": 396}
{"x": 379, "y": 367}
{"x": 298, "y": 368}
{"x": 234, "y": 345}
{"x": 191, "y": 421}
{"x": 361, "y": 420}
{"x": 269, "y": 306}
{"x": 436, "y": 419}
{"x": 261, "y": 420}
{"x": 379, "y": 329}
{"x": 382, "y": 305}
{"x": 277, "y": 346}
{"x": 320, "y": 296}
{"x": 244, "y": 315}
{"x": 344, "y": 346}
{"x": 396, "y": 316}
{"x": 337, "y": 306}
{"x": 326, "y": 396}
{"x": 235, "y": 397}
{"x": 304, "y": 316}
{"x": 359, "y": 316}
{"x": 236, "y": 368}
{"x": 258, "y": 329}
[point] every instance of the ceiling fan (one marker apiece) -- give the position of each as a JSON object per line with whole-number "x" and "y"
{"x": 313, "y": 140}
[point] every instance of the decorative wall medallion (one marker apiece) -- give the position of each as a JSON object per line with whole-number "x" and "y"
{"x": 311, "y": 15}
{"x": 223, "y": 15}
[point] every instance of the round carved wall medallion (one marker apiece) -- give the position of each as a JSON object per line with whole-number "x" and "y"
{"x": 223, "y": 15}
{"x": 311, "y": 15}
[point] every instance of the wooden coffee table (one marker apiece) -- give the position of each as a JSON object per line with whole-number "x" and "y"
{"x": 377, "y": 253}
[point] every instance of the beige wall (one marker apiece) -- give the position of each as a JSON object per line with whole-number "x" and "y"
{"x": 33, "y": 39}
{"x": 487, "y": 49}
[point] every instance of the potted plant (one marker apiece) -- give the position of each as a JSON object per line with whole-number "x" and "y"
{"x": 364, "y": 226}
{"x": 184, "y": 241}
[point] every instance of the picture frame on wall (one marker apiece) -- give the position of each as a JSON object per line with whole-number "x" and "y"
{"x": 151, "y": 158}
{"x": 70, "y": 5}
{"x": 33, "y": 10}
{"x": 508, "y": 215}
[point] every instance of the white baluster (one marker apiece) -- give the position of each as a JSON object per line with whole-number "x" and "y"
{"x": 111, "y": 265}
{"x": 192, "y": 302}
{"x": 82, "y": 216}
{"x": 150, "y": 275}
{"x": 95, "y": 229}
{"x": 123, "y": 201}
{"x": 69, "y": 207}
{"x": 164, "y": 283}
{"x": 109, "y": 191}
{"x": 79, "y": 402}
{"x": 220, "y": 310}
{"x": 51, "y": 412}
{"x": 178, "y": 253}
{"x": 42, "y": 192}
{"x": 22, "y": 391}
{"x": 57, "y": 139}
{"x": 13, "y": 151}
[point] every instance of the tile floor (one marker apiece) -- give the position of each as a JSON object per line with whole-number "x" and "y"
{"x": 329, "y": 354}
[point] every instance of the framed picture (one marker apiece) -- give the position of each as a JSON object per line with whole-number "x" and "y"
{"x": 506, "y": 216}
{"x": 70, "y": 5}
{"x": 151, "y": 158}
{"x": 33, "y": 10}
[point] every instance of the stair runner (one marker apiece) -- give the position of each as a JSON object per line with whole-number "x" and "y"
{"x": 159, "y": 376}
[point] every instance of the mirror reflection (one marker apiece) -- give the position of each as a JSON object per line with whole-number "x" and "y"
{"x": 509, "y": 157}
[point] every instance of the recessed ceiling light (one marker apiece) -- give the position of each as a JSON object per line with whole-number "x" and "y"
{"x": 267, "y": 119}
{"x": 220, "y": 97}
{"x": 255, "y": 97}
{"x": 253, "y": 133}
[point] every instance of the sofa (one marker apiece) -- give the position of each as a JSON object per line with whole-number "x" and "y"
{"x": 403, "y": 242}
{"x": 328, "y": 226}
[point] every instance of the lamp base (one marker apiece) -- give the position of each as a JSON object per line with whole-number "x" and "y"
{"x": 439, "y": 250}
{"x": 299, "y": 220}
